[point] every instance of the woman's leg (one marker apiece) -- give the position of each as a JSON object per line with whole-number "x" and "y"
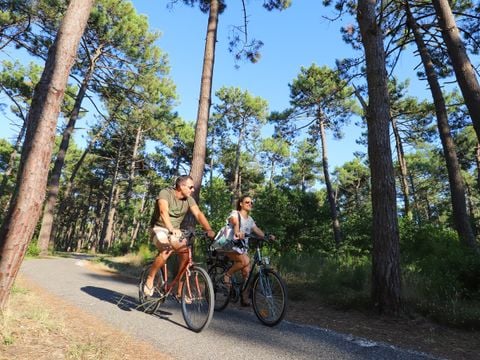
{"x": 240, "y": 262}
{"x": 245, "y": 272}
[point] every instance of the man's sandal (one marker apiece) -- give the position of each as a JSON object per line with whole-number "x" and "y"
{"x": 188, "y": 300}
{"x": 148, "y": 291}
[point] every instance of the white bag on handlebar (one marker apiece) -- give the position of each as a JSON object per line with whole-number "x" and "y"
{"x": 223, "y": 237}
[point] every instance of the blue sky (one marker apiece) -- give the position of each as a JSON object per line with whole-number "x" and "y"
{"x": 298, "y": 36}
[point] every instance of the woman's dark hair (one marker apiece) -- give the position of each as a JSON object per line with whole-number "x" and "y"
{"x": 182, "y": 179}
{"x": 240, "y": 199}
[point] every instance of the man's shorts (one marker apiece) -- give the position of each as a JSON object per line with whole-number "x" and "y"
{"x": 164, "y": 242}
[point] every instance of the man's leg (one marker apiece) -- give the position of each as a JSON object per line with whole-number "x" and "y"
{"x": 159, "y": 237}
{"x": 159, "y": 261}
{"x": 182, "y": 263}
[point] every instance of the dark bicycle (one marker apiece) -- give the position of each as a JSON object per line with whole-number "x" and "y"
{"x": 267, "y": 289}
{"x": 197, "y": 296}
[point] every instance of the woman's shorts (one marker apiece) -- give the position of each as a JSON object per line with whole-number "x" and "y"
{"x": 165, "y": 242}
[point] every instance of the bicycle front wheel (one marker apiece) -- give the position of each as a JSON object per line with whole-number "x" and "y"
{"x": 197, "y": 299}
{"x": 221, "y": 290}
{"x": 269, "y": 297}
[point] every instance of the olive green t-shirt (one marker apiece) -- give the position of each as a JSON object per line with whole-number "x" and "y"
{"x": 177, "y": 208}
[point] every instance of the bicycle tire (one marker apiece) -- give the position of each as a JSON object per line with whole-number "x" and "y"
{"x": 221, "y": 291}
{"x": 269, "y": 297}
{"x": 197, "y": 299}
{"x": 150, "y": 304}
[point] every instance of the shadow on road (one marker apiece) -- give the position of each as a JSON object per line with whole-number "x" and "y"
{"x": 124, "y": 302}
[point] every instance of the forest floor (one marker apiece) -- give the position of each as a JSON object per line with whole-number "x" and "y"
{"x": 55, "y": 329}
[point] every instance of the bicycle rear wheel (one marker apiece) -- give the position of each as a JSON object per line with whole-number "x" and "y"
{"x": 150, "y": 304}
{"x": 197, "y": 299}
{"x": 269, "y": 297}
{"x": 220, "y": 289}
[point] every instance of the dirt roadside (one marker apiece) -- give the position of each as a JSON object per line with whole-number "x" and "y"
{"x": 48, "y": 328}
{"x": 109, "y": 343}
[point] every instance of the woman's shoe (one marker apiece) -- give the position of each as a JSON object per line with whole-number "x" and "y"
{"x": 227, "y": 280}
{"x": 244, "y": 301}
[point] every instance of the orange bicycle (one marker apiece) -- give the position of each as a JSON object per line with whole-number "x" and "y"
{"x": 197, "y": 296}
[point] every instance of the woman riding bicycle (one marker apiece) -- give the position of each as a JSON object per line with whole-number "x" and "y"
{"x": 243, "y": 225}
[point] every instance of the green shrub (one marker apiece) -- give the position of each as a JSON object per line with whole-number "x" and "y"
{"x": 341, "y": 279}
{"x": 145, "y": 253}
{"x": 440, "y": 276}
{"x": 33, "y": 249}
{"x": 120, "y": 248}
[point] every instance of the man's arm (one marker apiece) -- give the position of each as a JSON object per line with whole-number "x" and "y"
{"x": 202, "y": 220}
{"x": 163, "y": 206}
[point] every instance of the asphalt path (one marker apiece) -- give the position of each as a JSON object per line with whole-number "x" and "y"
{"x": 232, "y": 334}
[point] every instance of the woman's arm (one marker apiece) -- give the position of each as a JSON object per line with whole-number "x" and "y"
{"x": 260, "y": 233}
{"x": 257, "y": 231}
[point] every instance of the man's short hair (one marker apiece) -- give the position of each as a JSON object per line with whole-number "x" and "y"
{"x": 182, "y": 179}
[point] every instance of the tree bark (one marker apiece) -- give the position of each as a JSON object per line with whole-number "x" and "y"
{"x": 236, "y": 168}
{"x": 200, "y": 144}
{"x": 337, "y": 234}
{"x": 457, "y": 188}
{"x": 477, "y": 161}
{"x": 105, "y": 236}
{"x": 402, "y": 164}
{"x": 386, "y": 283}
{"x": 26, "y": 205}
{"x": 464, "y": 71}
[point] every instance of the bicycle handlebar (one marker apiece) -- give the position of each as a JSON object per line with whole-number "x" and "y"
{"x": 190, "y": 235}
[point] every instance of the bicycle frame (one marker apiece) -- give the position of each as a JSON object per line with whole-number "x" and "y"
{"x": 257, "y": 261}
{"x": 169, "y": 286}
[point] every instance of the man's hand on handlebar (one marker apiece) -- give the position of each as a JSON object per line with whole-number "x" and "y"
{"x": 210, "y": 234}
{"x": 176, "y": 232}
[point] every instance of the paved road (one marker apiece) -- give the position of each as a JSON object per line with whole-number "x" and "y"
{"x": 232, "y": 334}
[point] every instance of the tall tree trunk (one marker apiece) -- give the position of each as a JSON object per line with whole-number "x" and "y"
{"x": 471, "y": 209}
{"x": 127, "y": 221}
{"x": 13, "y": 156}
{"x": 131, "y": 175}
{"x": 26, "y": 205}
{"x": 137, "y": 222}
{"x": 386, "y": 282}
{"x": 402, "y": 163}
{"x": 416, "y": 206}
{"x": 477, "y": 160}
{"x": 464, "y": 71}
{"x": 105, "y": 236}
{"x": 200, "y": 144}
{"x": 457, "y": 187}
{"x": 236, "y": 169}
{"x": 337, "y": 234}
{"x": 68, "y": 187}
{"x": 45, "y": 236}
{"x": 95, "y": 239}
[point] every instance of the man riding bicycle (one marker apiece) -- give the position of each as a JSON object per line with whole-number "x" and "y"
{"x": 171, "y": 206}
